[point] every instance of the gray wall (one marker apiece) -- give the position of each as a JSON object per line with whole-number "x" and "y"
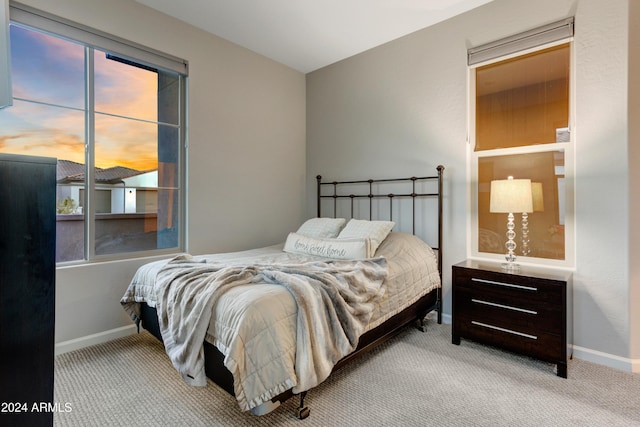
{"x": 401, "y": 108}
{"x": 246, "y": 156}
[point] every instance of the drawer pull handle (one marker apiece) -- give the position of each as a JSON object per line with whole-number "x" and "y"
{"x": 508, "y": 307}
{"x": 533, "y": 337}
{"x": 508, "y": 285}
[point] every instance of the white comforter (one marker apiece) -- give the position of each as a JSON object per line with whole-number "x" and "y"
{"x": 256, "y": 327}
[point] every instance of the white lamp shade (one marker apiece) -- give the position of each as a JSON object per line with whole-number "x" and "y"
{"x": 538, "y": 200}
{"x": 511, "y": 195}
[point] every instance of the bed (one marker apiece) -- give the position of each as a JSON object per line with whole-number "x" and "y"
{"x": 270, "y": 323}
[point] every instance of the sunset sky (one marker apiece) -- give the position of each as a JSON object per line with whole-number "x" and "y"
{"x": 50, "y": 70}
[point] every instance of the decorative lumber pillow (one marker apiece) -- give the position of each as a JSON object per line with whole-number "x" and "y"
{"x": 376, "y": 231}
{"x": 328, "y": 248}
{"x": 322, "y": 227}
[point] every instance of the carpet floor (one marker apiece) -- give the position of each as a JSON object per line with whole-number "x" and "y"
{"x": 415, "y": 379}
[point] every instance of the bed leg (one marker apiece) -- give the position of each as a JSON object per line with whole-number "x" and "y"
{"x": 422, "y": 324}
{"x": 302, "y": 411}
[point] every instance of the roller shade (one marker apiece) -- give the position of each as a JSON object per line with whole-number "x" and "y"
{"x": 530, "y": 39}
{"x": 88, "y": 36}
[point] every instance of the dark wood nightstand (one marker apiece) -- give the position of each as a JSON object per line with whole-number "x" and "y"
{"x": 528, "y": 311}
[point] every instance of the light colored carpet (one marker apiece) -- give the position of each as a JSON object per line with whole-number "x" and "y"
{"x": 416, "y": 379}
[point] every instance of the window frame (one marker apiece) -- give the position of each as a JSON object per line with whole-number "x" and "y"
{"x": 6, "y": 96}
{"x": 473, "y": 157}
{"x": 92, "y": 40}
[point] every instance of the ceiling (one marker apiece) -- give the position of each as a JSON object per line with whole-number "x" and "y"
{"x": 310, "y": 34}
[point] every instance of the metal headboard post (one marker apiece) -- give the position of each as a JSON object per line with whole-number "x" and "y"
{"x": 370, "y": 200}
{"x": 439, "y": 291}
{"x": 318, "y": 180}
{"x": 440, "y": 174}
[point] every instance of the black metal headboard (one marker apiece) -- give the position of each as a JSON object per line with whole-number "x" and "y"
{"x": 370, "y": 192}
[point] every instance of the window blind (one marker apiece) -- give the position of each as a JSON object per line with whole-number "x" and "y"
{"x": 96, "y": 39}
{"x": 529, "y": 39}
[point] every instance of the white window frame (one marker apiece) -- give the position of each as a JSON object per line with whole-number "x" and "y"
{"x": 94, "y": 39}
{"x": 6, "y": 97}
{"x": 569, "y": 156}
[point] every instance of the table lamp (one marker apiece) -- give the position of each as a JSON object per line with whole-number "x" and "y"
{"x": 509, "y": 196}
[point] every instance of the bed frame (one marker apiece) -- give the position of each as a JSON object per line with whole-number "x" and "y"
{"x": 415, "y": 313}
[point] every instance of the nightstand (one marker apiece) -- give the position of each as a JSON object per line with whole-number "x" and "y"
{"x": 527, "y": 311}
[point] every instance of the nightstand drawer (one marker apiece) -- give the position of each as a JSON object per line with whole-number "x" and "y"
{"x": 509, "y": 287}
{"x": 527, "y": 315}
{"x": 542, "y": 345}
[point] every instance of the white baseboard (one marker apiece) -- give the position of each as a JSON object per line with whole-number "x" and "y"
{"x": 446, "y": 318}
{"x": 606, "y": 359}
{"x": 89, "y": 340}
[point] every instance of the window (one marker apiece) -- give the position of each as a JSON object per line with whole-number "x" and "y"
{"x": 521, "y": 110}
{"x": 114, "y": 121}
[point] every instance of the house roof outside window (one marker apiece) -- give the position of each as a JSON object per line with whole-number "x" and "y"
{"x": 69, "y": 171}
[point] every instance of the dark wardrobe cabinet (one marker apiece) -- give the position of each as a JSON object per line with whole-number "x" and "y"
{"x": 27, "y": 289}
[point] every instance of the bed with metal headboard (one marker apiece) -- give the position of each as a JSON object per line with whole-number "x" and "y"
{"x": 369, "y": 190}
{"x": 401, "y": 198}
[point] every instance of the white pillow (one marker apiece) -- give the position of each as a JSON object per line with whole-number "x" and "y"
{"x": 376, "y": 231}
{"x": 328, "y": 248}
{"x": 322, "y": 227}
